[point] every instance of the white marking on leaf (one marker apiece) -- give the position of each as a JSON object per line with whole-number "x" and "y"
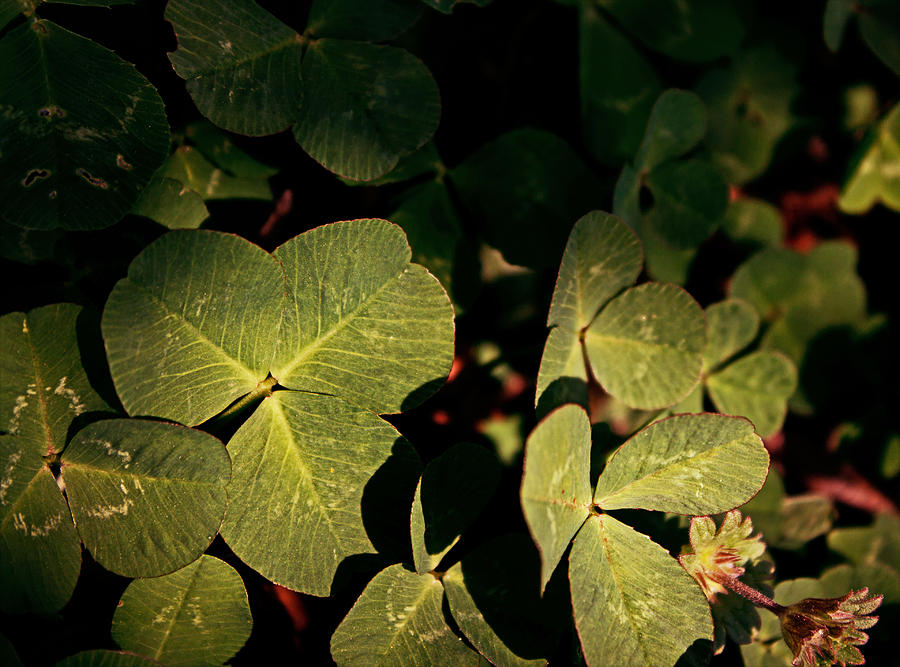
{"x": 106, "y": 511}
{"x": 6, "y": 482}
{"x": 75, "y": 403}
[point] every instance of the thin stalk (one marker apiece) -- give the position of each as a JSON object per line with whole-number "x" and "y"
{"x": 745, "y": 591}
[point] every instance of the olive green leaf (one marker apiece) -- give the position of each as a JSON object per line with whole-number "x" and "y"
{"x": 688, "y": 464}
{"x": 193, "y": 325}
{"x": 365, "y": 20}
{"x": 172, "y": 205}
{"x": 875, "y": 176}
{"x": 453, "y": 489}
{"x": 105, "y": 658}
{"x": 196, "y": 615}
{"x": 677, "y": 124}
{"x": 82, "y": 159}
{"x": 191, "y": 167}
{"x": 240, "y": 63}
{"x": 733, "y": 324}
{"x": 755, "y": 221}
{"x": 633, "y": 603}
{"x": 147, "y": 497}
{"x": 304, "y": 493}
{"x": 646, "y": 346}
{"x": 364, "y": 106}
{"x": 360, "y": 321}
{"x": 556, "y": 490}
{"x": 398, "y": 621}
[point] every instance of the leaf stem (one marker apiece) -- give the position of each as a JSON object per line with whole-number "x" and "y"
{"x": 736, "y": 586}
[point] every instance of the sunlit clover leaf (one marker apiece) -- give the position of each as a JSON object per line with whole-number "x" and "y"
{"x": 453, "y": 489}
{"x": 633, "y": 603}
{"x": 240, "y": 63}
{"x": 646, "y": 345}
{"x": 602, "y": 257}
{"x": 72, "y": 160}
{"x": 364, "y": 106}
{"x": 733, "y": 325}
{"x": 617, "y": 86}
{"x": 43, "y": 388}
{"x": 193, "y": 325}
{"x": 398, "y": 620}
{"x": 497, "y": 604}
{"x": 360, "y": 321}
{"x": 687, "y": 464}
{"x": 365, "y": 20}
{"x": 303, "y": 493}
{"x": 147, "y": 497}
{"x": 556, "y": 490}
{"x": 106, "y": 658}
{"x": 196, "y": 615}
{"x": 876, "y": 175}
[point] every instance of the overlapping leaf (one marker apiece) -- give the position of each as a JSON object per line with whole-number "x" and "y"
{"x": 876, "y": 175}
{"x": 172, "y": 205}
{"x": 197, "y": 615}
{"x": 556, "y": 490}
{"x": 689, "y": 464}
{"x": 195, "y": 172}
{"x": 105, "y": 658}
{"x": 304, "y": 493}
{"x": 368, "y": 20}
{"x": 147, "y": 497}
{"x": 453, "y": 489}
{"x": 633, "y": 603}
{"x": 43, "y": 388}
{"x": 86, "y": 157}
{"x": 398, "y": 621}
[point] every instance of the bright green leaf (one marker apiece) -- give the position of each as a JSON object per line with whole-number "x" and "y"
{"x": 303, "y": 495}
{"x": 692, "y": 30}
{"x": 171, "y": 204}
{"x": 453, "y": 489}
{"x": 193, "y": 326}
{"x": 364, "y": 107}
{"x": 733, "y": 324}
{"x": 753, "y": 221}
{"x": 188, "y": 166}
{"x": 602, "y": 257}
{"x": 528, "y": 186}
{"x": 646, "y": 346}
{"x": 617, "y": 87}
{"x": 633, "y": 603}
{"x": 147, "y": 497}
{"x": 556, "y": 490}
{"x": 688, "y": 464}
{"x": 496, "y": 601}
{"x": 241, "y": 64}
{"x": 677, "y": 124}
{"x": 756, "y": 387}
{"x": 365, "y": 20}
{"x": 689, "y": 200}
{"x": 104, "y": 658}
{"x": 360, "y": 321}
{"x": 876, "y": 175}
{"x": 38, "y": 543}
{"x": 198, "y": 615}
{"x": 80, "y": 160}
{"x": 749, "y": 111}
{"x": 398, "y": 621}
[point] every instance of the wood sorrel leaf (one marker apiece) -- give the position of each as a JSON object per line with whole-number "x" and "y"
{"x": 633, "y": 603}
{"x": 364, "y": 106}
{"x": 398, "y": 621}
{"x": 193, "y": 326}
{"x": 191, "y": 167}
{"x": 82, "y": 159}
{"x": 147, "y": 497}
{"x": 360, "y": 321}
{"x": 602, "y": 257}
{"x": 172, "y": 205}
{"x": 43, "y": 388}
{"x": 497, "y": 604}
{"x": 453, "y": 489}
{"x": 688, "y": 464}
{"x": 756, "y": 387}
{"x": 556, "y": 490}
{"x": 305, "y": 492}
{"x": 875, "y": 176}
{"x": 241, "y": 64}
{"x": 646, "y": 346}
{"x": 677, "y": 124}
{"x": 196, "y": 615}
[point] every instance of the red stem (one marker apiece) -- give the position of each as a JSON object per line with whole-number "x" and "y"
{"x": 745, "y": 591}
